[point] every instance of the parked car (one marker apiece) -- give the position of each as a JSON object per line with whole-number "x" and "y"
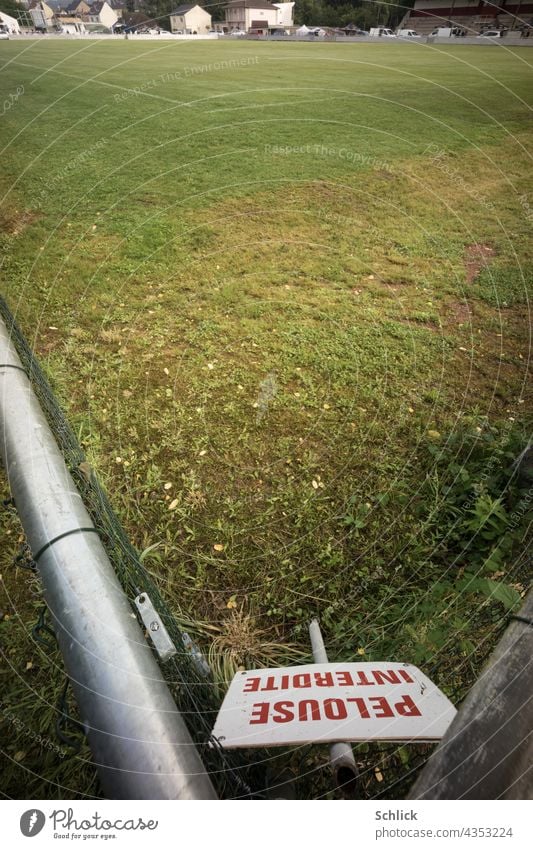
{"x": 239, "y": 32}
{"x": 490, "y": 33}
{"x": 382, "y": 32}
{"x": 4, "y": 33}
{"x": 408, "y": 33}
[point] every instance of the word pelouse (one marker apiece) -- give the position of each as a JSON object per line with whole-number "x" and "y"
{"x": 375, "y": 707}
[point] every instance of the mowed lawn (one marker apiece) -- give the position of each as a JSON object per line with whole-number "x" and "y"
{"x": 282, "y": 292}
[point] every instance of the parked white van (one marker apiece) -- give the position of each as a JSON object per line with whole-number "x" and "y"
{"x": 408, "y": 33}
{"x": 382, "y": 32}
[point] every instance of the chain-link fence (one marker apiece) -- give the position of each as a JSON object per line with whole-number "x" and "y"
{"x": 386, "y": 770}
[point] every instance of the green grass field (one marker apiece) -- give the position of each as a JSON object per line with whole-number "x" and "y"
{"x": 282, "y": 292}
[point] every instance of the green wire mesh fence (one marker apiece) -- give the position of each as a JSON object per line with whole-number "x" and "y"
{"x": 188, "y": 679}
{"x": 386, "y": 770}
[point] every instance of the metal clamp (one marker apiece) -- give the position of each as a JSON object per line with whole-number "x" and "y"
{"x": 153, "y": 623}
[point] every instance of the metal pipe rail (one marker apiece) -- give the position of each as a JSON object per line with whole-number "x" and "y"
{"x": 139, "y": 741}
{"x": 341, "y": 755}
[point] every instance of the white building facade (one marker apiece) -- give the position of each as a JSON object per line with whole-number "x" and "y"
{"x": 9, "y": 23}
{"x": 190, "y": 19}
{"x": 244, "y": 15}
{"x": 41, "y": 15}
{"x": 285, "y": 14}
{"x": 258, "y": 15}
{"x": 102, "y": 13}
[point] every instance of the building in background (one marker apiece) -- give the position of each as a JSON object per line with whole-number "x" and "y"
{"x": 9, "y": 23}
{"x": 285, "y": 14}
{"x": 101, "y": 13}
{"x": 42, "y": 15}
{"x": 70, "y": 24}
{"x": 78, "y": 7}
{"x": 190, "y": 19}
{"x": 244, "y": 15}
{"x": 469, "y": 16}
{"x": 257, "y": 15}
{"x": 118, "y": 6}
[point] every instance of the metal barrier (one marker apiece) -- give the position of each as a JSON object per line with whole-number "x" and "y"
{"x": 141, "y": 746}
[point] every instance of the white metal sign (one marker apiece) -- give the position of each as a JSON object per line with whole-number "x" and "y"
{"x": 329, "y": 702}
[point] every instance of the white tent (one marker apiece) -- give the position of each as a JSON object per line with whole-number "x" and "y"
{"x": 10, "y": 23}
{"x": 303, "y": 31}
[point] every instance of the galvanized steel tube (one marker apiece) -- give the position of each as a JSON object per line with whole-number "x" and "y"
{"x": 140, "y": 744}
{"x": 341, "y": 756}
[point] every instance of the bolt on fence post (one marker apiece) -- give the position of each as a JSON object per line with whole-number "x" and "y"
{"x": 341, "y": 757}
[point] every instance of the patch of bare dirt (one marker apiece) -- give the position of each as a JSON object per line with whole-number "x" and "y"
{"x": 477, "y": 257}
{"x": 15, "y": 221}
{"x": 457, "y": 312}
{"x": 417, "y": 324}
{"x": 148, "y": 200}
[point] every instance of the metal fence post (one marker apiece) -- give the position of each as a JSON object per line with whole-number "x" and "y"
{"x": 341, "y": 756}
{"x": 140, "y": 744}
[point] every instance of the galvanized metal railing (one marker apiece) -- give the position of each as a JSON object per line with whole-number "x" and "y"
{"x": 140, "y": 744}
